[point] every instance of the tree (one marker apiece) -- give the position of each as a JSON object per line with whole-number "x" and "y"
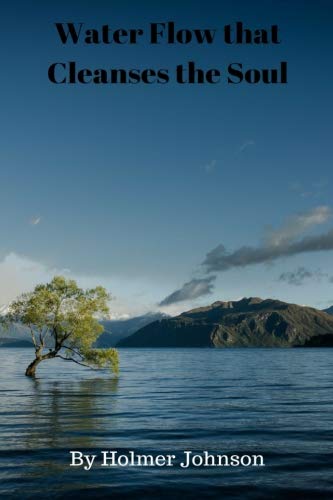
{"x": 63, "y": 323}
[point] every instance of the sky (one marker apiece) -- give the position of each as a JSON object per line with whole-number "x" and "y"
{"x": 171, "y": 196}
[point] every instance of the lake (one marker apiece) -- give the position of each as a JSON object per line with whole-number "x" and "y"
{"x": 273, "y": 402}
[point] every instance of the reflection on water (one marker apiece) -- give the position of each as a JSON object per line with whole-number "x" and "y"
{"x": 73, "y": 412}
{"x": 275, "y": 402}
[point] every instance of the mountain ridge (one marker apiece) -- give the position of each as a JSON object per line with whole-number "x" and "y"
{"x": 249, "y": 322}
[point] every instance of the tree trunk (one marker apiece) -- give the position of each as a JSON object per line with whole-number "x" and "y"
{"x": 31, "y": 370}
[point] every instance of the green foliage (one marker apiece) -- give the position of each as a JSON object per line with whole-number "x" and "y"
{"x": 65, "y": 316}
{"x": 103, "y": 357}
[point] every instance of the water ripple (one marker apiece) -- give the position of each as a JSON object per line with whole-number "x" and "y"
{"x": 274, "y": 402}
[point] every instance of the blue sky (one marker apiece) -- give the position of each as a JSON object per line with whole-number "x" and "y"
{"x": 131, "y": 186}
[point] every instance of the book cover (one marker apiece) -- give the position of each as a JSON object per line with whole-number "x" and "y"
{"x": 166, "y": 280}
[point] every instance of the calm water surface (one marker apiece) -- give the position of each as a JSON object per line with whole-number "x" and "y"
{"x": 274, "y": 402}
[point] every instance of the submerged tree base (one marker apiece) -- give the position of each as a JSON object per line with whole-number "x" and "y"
{"x": 31, "y": 369}
{"x": 92, "y": 358}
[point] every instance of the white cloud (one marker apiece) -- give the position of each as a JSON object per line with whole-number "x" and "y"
{"x": 19, "y": 274}
{"x": 278, "y": 243}
{"x": 34, "y": 221}
{"x": 313, "y": 190}
{"x": 210, "y": 167}
{"x": 246, "y": 144}
{"x": 297, "y": 224}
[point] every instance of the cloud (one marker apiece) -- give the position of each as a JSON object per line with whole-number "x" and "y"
{"x": 283, "y": 242}
{"x": 246, "y": 144}
{"x": 312, "y": 190}
{"x": 301, "y": 274}
{"x": 210, "y": 167}
{"x": 19, "y": 274}
{"x": 219, "y": 259}
{"x": 34, "y": 221}
{"x": 193, "y": 289}
{"x": 297, "y": 225}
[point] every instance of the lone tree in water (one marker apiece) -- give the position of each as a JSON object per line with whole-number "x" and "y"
{"x": 62, "y": 321}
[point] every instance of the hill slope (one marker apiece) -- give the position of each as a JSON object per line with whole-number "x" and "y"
{"x": 250, "y": 322}
{"x": 117, "y": 330}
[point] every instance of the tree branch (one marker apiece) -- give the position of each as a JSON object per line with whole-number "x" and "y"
{"x": 71, "y": 349}
{"x": 75, "y": 361}
{"x": 33, "y": 336}
{"x": 45, "y": 334}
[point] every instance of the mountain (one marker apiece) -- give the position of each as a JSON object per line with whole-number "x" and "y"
{"x": 14, "y": 335}
{"x": 117, "y": 330}
{"x": 14, "y": 342}
{"x": 250, "y": 322}
{"x": 17, "y": 331}
{"x": 329, "y": 310}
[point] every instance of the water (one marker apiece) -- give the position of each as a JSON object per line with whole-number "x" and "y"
{"x": 273, "y": 402}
